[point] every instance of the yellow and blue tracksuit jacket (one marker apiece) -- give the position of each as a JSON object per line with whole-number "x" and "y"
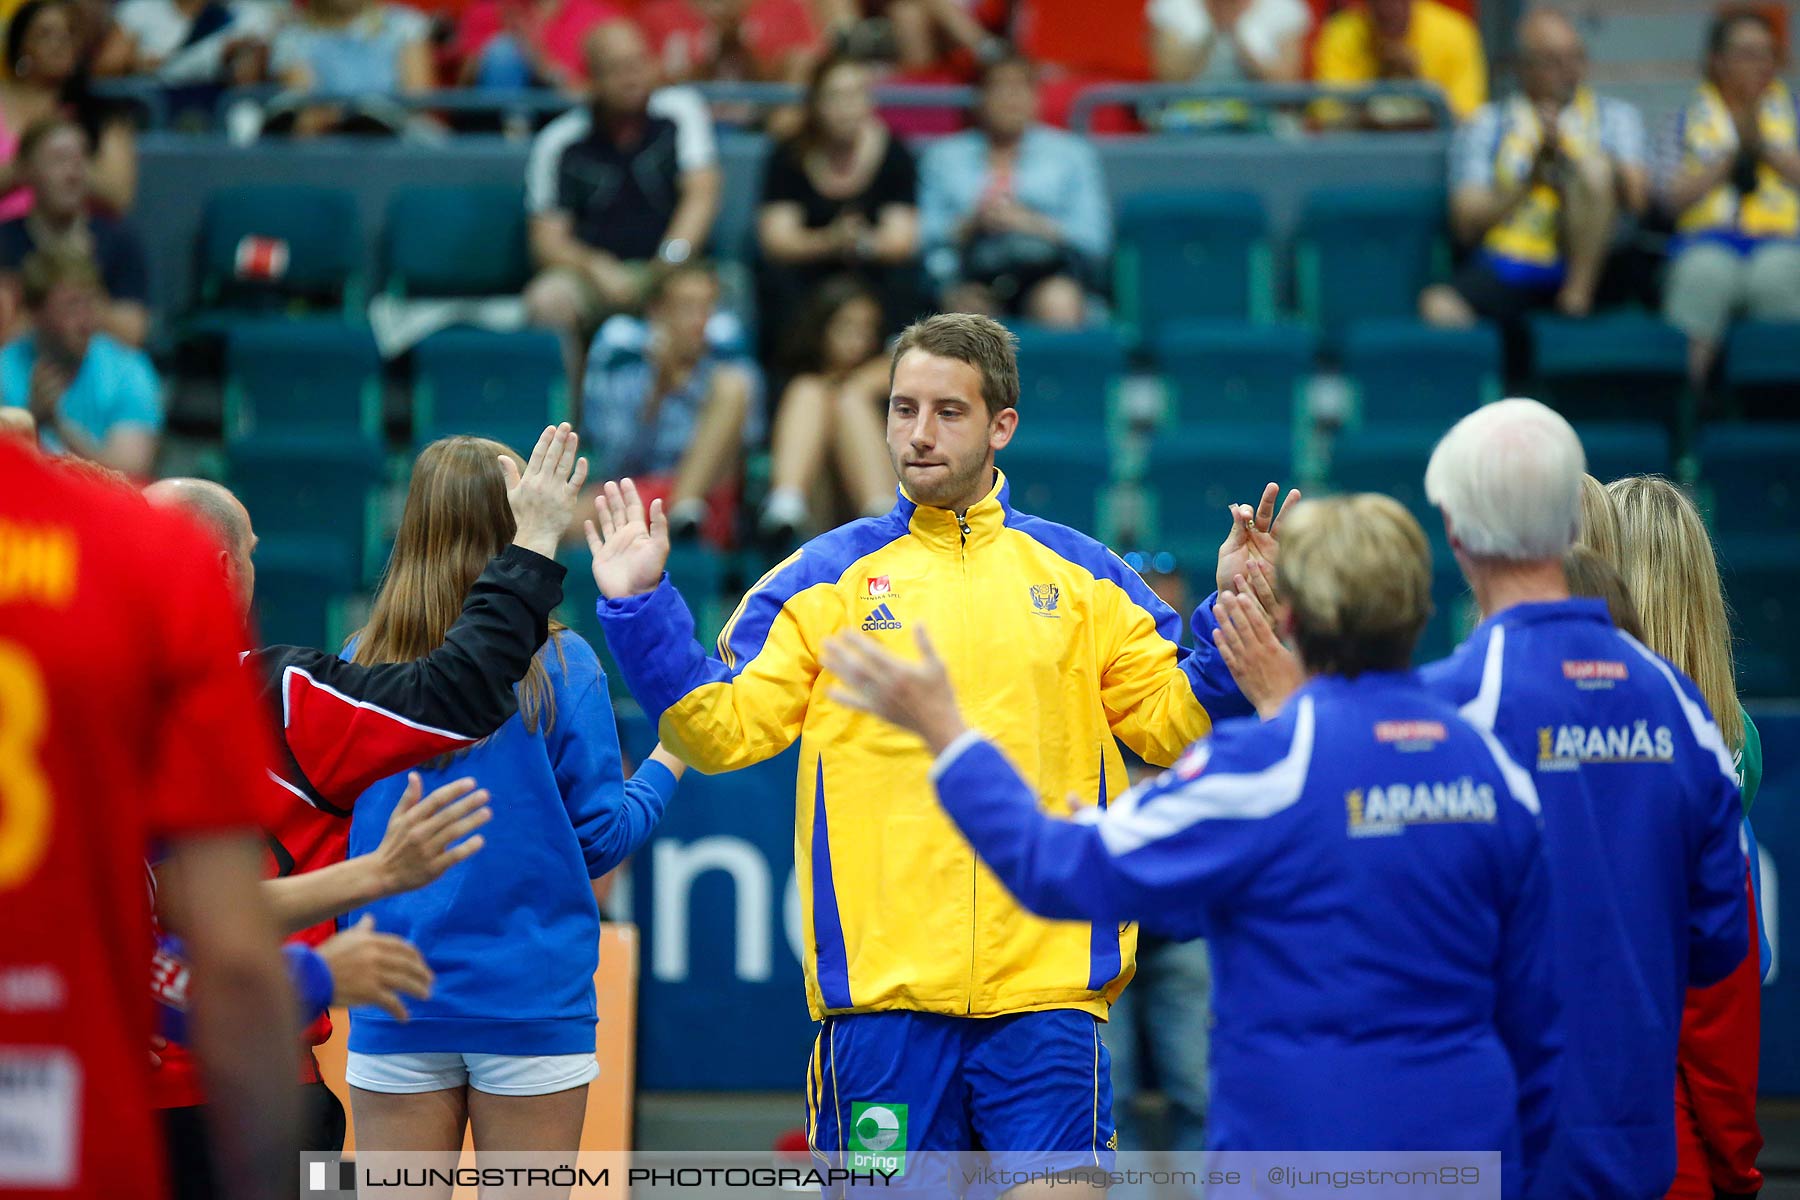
{"x": 1054, "y": 646}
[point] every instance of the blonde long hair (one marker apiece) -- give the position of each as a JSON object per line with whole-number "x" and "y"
{"x": 456, "y": 519}
{"x": 1599, "y": 521}
{"x": 1669, "y": 568}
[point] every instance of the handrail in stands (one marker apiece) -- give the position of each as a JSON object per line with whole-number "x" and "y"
{"x": 1266, "y": 95}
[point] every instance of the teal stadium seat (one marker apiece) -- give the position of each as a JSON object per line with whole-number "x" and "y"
{"x": 1366, "y": 252}
{"x": 1761, "y": 369}
{"x": 1752, "y": 473}
{"x": 1453, "y": 608}
{"x": 1067, "y": 379}
{"x": 505, "y": 386}
{"x": 1191, "y": 478}
{"x": 307, "y": 376}
{"x": 1390, "y": 460}
{"x": 455, "y": 241}
{"x": 1762, "y": 584}
{"x": 1616, "y": 449}
{"x": 1233, "y": 371}
{"x": 1057, "y": 476}
{"x": 1612, "y": 367}
{"x": 1192, "y": 254}
{"x": 1403, "y": 370}
{"x": 313, "y": 233}
{"x": 316, "y": 492}
{"x": 298, "y": 584}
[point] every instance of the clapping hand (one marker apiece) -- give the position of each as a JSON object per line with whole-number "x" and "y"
{"x": 544, "y": 495}
{"x": 1266, "y": 671}
{"x": 916, "y": 696}
{"x": 427, "y": 837}
{"x": 1252, "y": 536}
{"x": 631, "y": 546}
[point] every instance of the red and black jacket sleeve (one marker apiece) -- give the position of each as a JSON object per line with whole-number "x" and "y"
{"x": 345, "y": 726}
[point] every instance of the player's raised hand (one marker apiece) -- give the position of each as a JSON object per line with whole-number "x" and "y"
{"x": 369, "y": 968}
{"x": 631, "y": 545}
{"x": 1266, "y": 671}
{"x": 544, "y": 495}
{"x": 427, "y": 837}
{"x": 1252, "y": 535}
{"x": 913, "y": 695}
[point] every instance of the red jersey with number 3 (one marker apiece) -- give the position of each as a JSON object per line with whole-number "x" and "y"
{"x": 124, "y": 715}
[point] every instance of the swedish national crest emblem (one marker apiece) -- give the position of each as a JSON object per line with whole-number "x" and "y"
{"x": 1044, "y": 597}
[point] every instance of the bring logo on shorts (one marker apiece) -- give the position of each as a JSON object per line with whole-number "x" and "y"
{"x": 877, "y": 1139}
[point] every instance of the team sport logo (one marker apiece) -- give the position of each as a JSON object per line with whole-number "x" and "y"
{"x": 1384, "y": 810}
{"x": 1567, "y": 747}
{"x": 1410, "y": 736}
{"x": 880, "y": 587}
{"x": 881, "y": 620}
{"x": 1594, "y": 673}
{"x": 1043, "y": 599}
{"x": 878, "y": 1138}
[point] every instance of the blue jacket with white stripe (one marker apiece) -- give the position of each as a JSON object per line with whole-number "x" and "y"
{"x": 1641, "y": 829}
{"x": 1368, "y": 871}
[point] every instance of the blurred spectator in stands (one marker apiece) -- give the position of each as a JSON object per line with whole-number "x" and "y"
{"x": 1537, "y": 186}
{"x": 361, "y": 49}
{"x": 53, "y": 155}
{"x": 1224, "y": 42}
{"x": 1419, "y": 40}
{"x": 91, "y": 396}
{"x": 915, "y": 34}
{"x": 672, "y": 401}
{"x": 828, "y": 451}
{"x": 629, "y": 179}
{"x": 697, "y": 40}
{"x": 199, "y": 44}
{"x": 48, "y": 77}
{"x": 1014, "y": 214}
{"x": 1729, "y": 172}
{"x": 529, "y": 43}
{"x": 840, "y": 196}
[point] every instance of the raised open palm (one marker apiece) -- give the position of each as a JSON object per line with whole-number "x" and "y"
{"x": 631, "y": 546}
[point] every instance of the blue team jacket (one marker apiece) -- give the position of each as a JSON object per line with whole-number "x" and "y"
{"x": 1367, "y": 869}
{"x": 1641, "y": 820}
{"x": 513, "y": 933}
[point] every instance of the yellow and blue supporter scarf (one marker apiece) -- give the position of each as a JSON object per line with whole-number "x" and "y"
{"x": 1770, "y": 212}
{"x": 1526, "y": 247}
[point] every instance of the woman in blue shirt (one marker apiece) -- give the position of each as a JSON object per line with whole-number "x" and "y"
{"x": 506, "y": 1042}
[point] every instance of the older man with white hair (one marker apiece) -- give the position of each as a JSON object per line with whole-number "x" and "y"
{"x": 1640, "y": 803}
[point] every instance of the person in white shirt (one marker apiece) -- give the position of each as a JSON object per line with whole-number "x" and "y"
{"x": 1228, "y": 41}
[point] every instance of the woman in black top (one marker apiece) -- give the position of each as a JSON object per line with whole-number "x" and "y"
{"x": 840, "y": 197}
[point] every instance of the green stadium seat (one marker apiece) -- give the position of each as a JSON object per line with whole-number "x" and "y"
{"x": 1612, "y": 367}
{"x": 455, "y": 241}
{"x": 1233, "y": 371}
{"x": 317, "y": 231}
{"x": 1760, "y": 370}
{"x": 505, "y": 386}
{"x": 302, "y": 376}
{"x": 1750, "y": 472}
{"x": 1618, "y": 449}
{"x": 1453, "y": 609}
{"x": 315, "y": 491}
{"x": 1762, "y": 585}
{"x": 1390, "y": 460}
{"x": 1366, "y": 252}
{"x": 1192, "y": 254}
{"x": 1192, "y": 476}
{"x": 1067, "y": 378}
{"x": 1403, "y": 370}
{"x": 1057, "y": 476}
{"x": 298, "y": 583}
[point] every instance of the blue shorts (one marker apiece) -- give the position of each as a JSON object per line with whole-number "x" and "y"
{"x": 1032, "y": 1091}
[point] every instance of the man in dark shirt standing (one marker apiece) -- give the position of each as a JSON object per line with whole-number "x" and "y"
{"x": 54, "y": 155}
{"x": 626, "y": 181}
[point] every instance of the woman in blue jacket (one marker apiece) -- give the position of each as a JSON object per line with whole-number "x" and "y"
{"x": 506, "y": 1042}
{"x": 1366, "y": 867}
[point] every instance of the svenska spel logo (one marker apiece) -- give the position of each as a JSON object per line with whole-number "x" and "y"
{"x": 880, "y": 585}
{"x": 878, "y": 1138}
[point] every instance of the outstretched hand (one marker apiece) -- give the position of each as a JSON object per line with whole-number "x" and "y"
{"x": 1266, "y": 671}
{"x": 427, "y": 837}
{"x": 544, "y": 495}
{"x": 916, "y": 696}
{"x": 1252, "y": 536}
{"x": 375, "y": 969}
{"x": 631, "y": 546}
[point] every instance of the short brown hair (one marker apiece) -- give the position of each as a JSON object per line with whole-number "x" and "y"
{"x": 982, "y": 342}
{"x": 1355, "y": 572}
{"x": 46, "y": 270}
{"x": 41, "y": 131}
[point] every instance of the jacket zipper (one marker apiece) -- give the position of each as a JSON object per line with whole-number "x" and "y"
{"x": 962, "y": 523}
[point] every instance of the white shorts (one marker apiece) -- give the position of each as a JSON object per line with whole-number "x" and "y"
{"x": 496, "y": 1074}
